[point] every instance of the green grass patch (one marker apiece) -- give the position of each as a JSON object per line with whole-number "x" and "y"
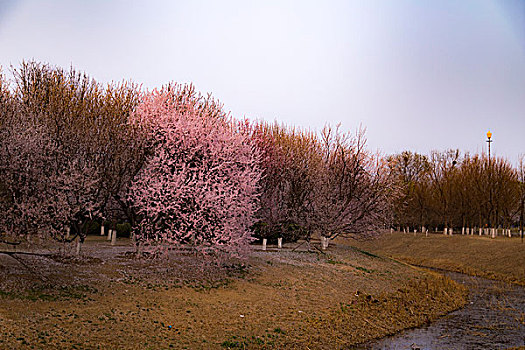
{"x": 265, "y": 341}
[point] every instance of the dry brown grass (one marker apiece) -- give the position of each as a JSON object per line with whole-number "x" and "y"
{"x": 283, "y": 300}
{"x": 500, "y": 259}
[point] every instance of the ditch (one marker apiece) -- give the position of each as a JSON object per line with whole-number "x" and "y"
{"x": 494, "y": 318}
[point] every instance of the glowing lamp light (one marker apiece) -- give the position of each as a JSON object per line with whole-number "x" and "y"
{"x": 489, "y": 135}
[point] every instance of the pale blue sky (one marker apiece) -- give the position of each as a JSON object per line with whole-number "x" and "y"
{"x": 419, "y": 75}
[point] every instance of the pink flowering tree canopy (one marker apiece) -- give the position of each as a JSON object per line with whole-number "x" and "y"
{"x": 48, "y": 160}
{"x": 199, "y": 184}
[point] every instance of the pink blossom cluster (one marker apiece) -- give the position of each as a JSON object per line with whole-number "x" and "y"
{"x": 199, "y": 184}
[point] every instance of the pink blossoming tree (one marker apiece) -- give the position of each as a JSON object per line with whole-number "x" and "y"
{"x": 65, "y": 151}
{"x": 199, "y": 185}
{"x": 49, "y": 164}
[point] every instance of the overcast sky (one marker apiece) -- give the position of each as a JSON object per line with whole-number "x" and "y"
{"x": 418, "y": 75}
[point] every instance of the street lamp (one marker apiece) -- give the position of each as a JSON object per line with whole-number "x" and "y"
{"x": 489, "y": 141}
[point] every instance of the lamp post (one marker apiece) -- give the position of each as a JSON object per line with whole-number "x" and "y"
{"x": 489, "y": 141}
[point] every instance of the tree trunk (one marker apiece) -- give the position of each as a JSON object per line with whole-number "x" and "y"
{"x": 79, "y": 245}
{"x": 114, "y": 237}
{"x": 138, "y": 249}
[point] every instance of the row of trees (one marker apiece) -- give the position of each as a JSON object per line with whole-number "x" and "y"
{"x": 66, "y": 153}
{"x": 328, "y": 184}
{"x": 182, "y": 172}
{"x": 450, "y": 190}
{"x": 175, "y": 166}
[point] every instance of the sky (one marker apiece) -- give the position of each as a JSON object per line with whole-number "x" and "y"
{"x": 418, "y": 75}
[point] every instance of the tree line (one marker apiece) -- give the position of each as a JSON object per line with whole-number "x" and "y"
{"x": 175, "y": 166}
{"x": 182, "y": 172}
{"x": 457, "y": 191}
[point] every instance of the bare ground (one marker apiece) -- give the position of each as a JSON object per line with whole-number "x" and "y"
{"x": 275, "y": 299}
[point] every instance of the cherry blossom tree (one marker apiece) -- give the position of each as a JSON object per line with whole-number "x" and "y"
{"x": 51, "y": 152}
{"x": 199, "y": 184}
{"x": 8, "y": 110}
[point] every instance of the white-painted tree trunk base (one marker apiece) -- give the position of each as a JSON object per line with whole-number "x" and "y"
{"x": 279, "y": 243}
{"x": 114, "y": 237}
{"x": 68, "y": 232}
{"x": 102, "y": 230}
{"x": 493, "y": 233}
{"x": 264, "y": 243}
{"x": 325, "y": 241}
{"x": 109, "y": 235}
{"x": 445, "y": 231}
{"x": 77, "y": 250}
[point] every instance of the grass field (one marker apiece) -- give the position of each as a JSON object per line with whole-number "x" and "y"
{"x": 500, "y": 258}
{"x": 280, "y": 299}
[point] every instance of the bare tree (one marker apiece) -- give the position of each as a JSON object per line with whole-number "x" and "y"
{"x": 352, "y": 188}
